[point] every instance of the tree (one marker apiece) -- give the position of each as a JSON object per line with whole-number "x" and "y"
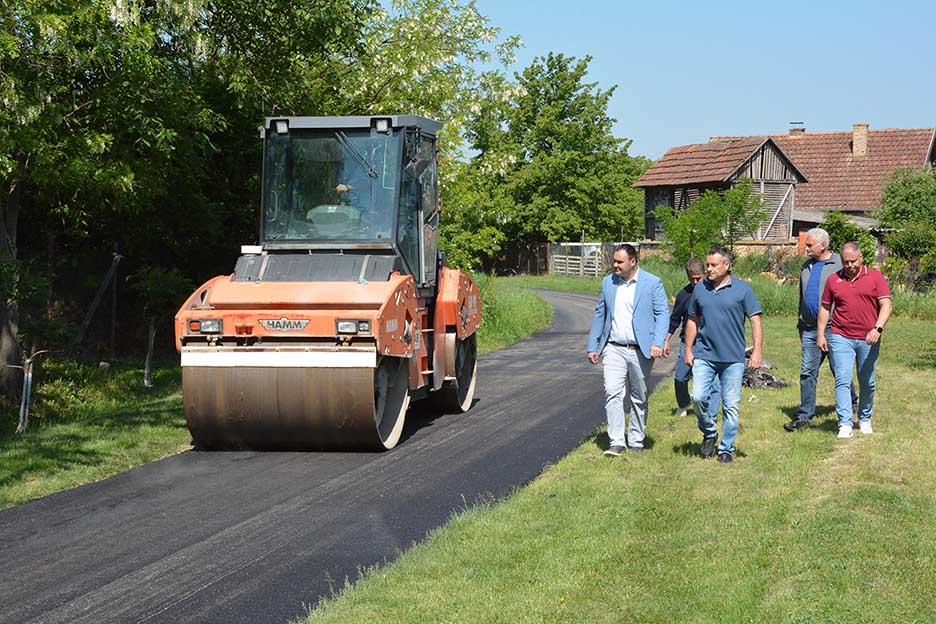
{"x": 134, "y": 123}
{"x": 841, "y": 230}
{"x": 713, "y": 219}
{"x": 909, "y": 197}
{"x": 548, "y": 167}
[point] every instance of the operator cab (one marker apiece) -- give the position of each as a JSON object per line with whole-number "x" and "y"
{"x": 347, "y": 197}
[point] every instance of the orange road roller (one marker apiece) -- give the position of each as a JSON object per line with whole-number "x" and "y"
{"x": 345, "y": 311}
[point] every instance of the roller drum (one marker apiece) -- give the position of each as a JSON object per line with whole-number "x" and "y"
{"x": 282, "y": 408}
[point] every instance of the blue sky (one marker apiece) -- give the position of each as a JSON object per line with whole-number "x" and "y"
{"x": 686, "y": 71}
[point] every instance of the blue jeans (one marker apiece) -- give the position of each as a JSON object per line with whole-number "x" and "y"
{"x": 845, "y": 353}
{"x": 809, "y": 374}
{"x": 708, "y": 379}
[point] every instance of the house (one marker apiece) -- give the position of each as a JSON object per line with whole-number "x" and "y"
{"x": 844, "y": 171}
{"x": 684, "y": 173}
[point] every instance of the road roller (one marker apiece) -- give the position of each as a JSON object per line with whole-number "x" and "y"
{"x": 345, "y": 311}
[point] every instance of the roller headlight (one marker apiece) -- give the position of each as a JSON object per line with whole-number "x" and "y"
{"x": 206, "y": 326}
{"x": 347, "y": 327}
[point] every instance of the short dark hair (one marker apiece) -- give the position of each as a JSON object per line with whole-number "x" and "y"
{"x": 695, "y": 267}
{"x": 722, "y": 251}
{"x": 629, "y": 249}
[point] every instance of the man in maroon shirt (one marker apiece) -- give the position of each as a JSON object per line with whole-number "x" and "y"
{"x": 859, "y": 299}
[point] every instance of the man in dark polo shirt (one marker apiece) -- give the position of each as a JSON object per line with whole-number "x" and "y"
{"x": 715, "y": 348}
{"x": 858, "y": 299}
{"x": 695, "y": 269}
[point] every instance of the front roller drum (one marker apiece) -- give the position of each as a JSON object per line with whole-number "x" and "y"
{"x": 279, "y": 408}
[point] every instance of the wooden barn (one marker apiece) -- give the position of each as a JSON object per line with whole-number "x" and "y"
{"x": 684, "y": 173}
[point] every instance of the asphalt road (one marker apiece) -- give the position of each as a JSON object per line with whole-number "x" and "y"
{"x": 254, "y": 537}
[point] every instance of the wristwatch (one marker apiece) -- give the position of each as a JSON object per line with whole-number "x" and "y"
{"x": 880, "y": 330}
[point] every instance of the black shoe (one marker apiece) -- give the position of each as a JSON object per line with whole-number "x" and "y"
{"x": 708, "y": 447}
{"x": 614, "y": 451}
{"x": 793, "y": 425}
{"x": 725, "y": 458}
{"x": 635, "y": 449}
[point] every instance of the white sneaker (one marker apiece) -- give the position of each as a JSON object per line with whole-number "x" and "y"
{"x": 681, "y": 413}
{"x": 865, "y": 426}
{"x": 845, "y": 432}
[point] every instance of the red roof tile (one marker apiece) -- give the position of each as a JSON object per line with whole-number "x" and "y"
{"x": 838, "y": 181}
{"x": 702, "y": 162}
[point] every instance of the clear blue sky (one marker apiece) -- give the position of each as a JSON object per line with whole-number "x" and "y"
{"x": 686, "y": 71}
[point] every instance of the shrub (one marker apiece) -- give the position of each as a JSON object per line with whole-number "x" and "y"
{"x": 912, "y": 241}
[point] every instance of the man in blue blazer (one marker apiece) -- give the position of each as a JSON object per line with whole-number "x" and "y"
{"x": 627, "y": 333}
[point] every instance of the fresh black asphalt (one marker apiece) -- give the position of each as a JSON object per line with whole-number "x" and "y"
{"x": 256, "y": 537}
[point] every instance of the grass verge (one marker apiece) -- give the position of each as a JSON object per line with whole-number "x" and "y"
{"x": 802, "y": 527}
{"x": 86, "y": 426}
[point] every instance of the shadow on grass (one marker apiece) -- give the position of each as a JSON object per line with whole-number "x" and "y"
{"x": 82, "y": 418}
{"x": 694, "y": 449}
{"x": 603, "y": 442}
{"x": 66, "y": 444}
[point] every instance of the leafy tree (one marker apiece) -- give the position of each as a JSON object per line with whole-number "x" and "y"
{"x": 744, "y": 211}
{"x": 548, "y": 167}
{"x": 910, "y": 196}
{"x": 912, "y": 241}
{"x": 692, "y": 232}
{"x": 135, "y": 122}
{"x": 842, "y": 230}
{"x": 712, "y": 219}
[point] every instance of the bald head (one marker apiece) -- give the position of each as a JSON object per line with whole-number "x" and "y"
{"x": 852, "y": 260}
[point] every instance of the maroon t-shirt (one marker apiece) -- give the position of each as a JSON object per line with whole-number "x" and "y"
{"x": 855, "y": 302}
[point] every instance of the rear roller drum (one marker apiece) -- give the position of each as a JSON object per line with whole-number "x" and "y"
{"x": 456, "y": 395}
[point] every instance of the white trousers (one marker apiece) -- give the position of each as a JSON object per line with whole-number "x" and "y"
{"x": 626, "y": 371}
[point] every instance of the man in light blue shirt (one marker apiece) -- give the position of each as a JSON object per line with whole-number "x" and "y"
{"x": 627, "y": 333}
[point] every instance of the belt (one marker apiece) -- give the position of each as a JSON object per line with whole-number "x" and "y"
{"x": 626, "y": 345}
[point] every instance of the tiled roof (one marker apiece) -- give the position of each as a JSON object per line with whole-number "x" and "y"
{"x": 838, "y": 181}
{"x": 703, "y": 162}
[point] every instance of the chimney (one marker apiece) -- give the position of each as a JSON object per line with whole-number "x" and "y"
{"x": 859, "y": 141}
{"x": 797, "y": 128}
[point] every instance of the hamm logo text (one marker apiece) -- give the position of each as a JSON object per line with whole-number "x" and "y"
{"x": 284, "y": 324}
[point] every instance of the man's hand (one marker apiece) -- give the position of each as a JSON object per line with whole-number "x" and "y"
{"x": 656, "y": 352}
{"x": 689, "y": 358}
{"x": 666, "y": 349}
{"x": 756, "y": 359}
{"x": 873, "y": 336}
{"x": 593, "y": 357}
{"x": 822, "y": 343}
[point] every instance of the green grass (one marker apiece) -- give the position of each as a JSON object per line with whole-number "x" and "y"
{"x": 801, "y": 527}
{"x": 86, "y": 426}
{"x": 510, "y": 312}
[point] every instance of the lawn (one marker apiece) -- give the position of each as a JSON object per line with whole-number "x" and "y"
{"x": 802, "y": 527}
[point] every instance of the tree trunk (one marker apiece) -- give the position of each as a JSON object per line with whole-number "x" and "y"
{"x": 10, "y": 378}
{"x": 148, "y": 366}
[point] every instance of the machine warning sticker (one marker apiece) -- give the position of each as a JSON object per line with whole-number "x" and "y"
{"x": 283, "y": 324}
{"x": 391, "y": 325}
